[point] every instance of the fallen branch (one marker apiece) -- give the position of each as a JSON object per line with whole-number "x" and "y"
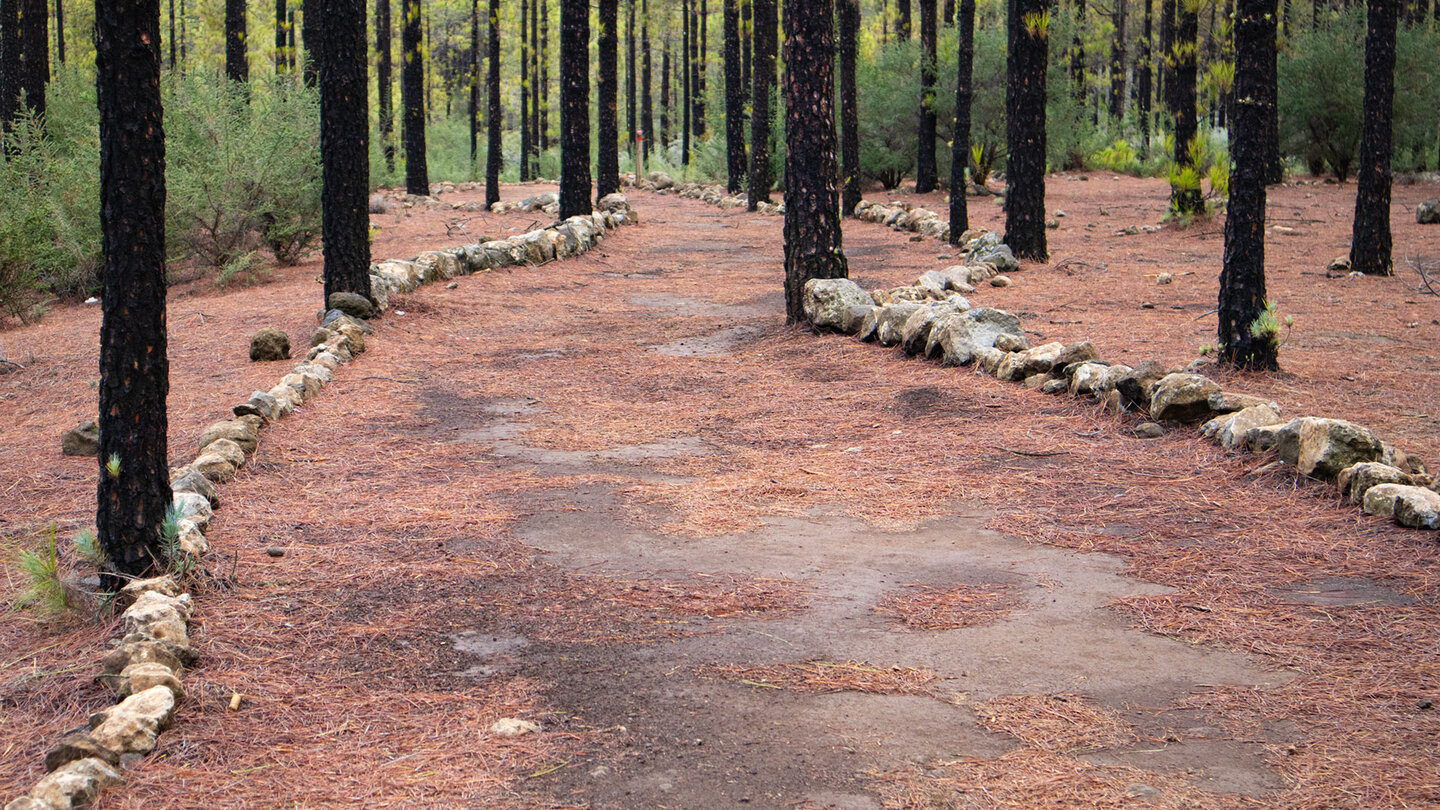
{"x": 1034, "y": 453}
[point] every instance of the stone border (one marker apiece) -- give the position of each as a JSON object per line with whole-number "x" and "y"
{"x": 931, "y": 319}
{"x": 146, "y": 667}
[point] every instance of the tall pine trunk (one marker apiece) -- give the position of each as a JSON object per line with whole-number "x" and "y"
{"x": 35, "y": 47}
{"x": 665, "y": 93}
{"x": 849, "y": 18}
{"x": 312, "y": 28}
{"x": 1117, "y": 62}
{"x": 1274, "y": 171}
{"x": 746, "y": 27}
{"x": 632, "y": 71}
{"x": 1370, "y": 242}
{"x": 1144, "y": 78}
{"x": 474, "y": 85}
{"x": 812, "y": 182}
{"x": 1077, "y": 55}
{"x": 412, "y": 98}
{"x": 763, "y": 75}
{"x": 647, "y": 103}
{"x": 237, "y": 65}
{"x": 607, "y": 163}
{"x": 542, "y": 105}
{"x": 494, "y": 153}
{"x": 734, "y": 102}
{"x": 960, "y": 144}
{"x": 925, "y": 171}
{"x": 534, "y": 85}
{"x": 701, "y": 126}
{"x": 280, "y": 61}
{"x": 172, "y": 41}
{"x": 1028, "y": 39}
{"x": 11, "y": 69}
{"x": 60, "y": 31}
{"x": 345, "y": 148}
{"x": 686, "y": 84}
{"x": 383, "y": 83}
{"x": 1242, "y": 280}
{"x": 525, "y": 131}
{"x": 1185, "y": 187}
{"x": 902, "y": 20}
{"x": 133, "y": 495}
{"x": 574, "y": 108}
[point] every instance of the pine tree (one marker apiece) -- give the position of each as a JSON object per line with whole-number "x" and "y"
{"x": 631, "y": 78}
{"x": 812, "y": 187}
{"x": 280, "y": 61}
{"x": 237, "y": 65}
{"x": 493, "y": 150}
{"x": 1370, "y": 242}
{"x": 1144, "y": 79}
{"x": 525, "y": 131}
{"x": 412, "y": 98}
{"x": 1028, "y": 38}
{"x": 1117, "y": 62}
{"x": 902, "y": 20}
{"x": 384, "y": 82}
{"x": 607, "y": 163}
{"x": 1185, "y": 184}
{"x": 1242, "y": 281}
{"x": 10, "y": 66}
{"x": 734, "y": 102}
{"x": 1270, "y": 93}
{"x": 763, "y": 75}
{"x": 665, "y": 72}
{"x": 849, "y": 17}
{"x": 960, "y": 145}
{"x": 35, "y": 55}
{"x": 574, "y": 108}
{"x": 687, "y": 85}
{"x": 474, "y": 84}
{"x": 345, "y": 148}
{"x": 60, "y": 31}
{"x": 647, "y": 103}
{"x": 701, "y": 54}
{"x": 312, "y": 30}
{"x": 925, "y": 170}
{"x": 134, "y": 491}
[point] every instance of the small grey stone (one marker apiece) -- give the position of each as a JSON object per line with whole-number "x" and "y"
{"x": 1148, "y": 430}
{"x": 275, "y": 551}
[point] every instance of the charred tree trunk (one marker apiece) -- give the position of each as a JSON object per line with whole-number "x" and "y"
{"x": 1117, "y": 62}
{"x": 812, "y": 187}
{"x": 746, "y": 27}
{"x": 535, "y": 84}
{"x": 290, "y": 44}
{"x": 412, "y": 98}
{"x": 902, "y": 20}
{"x": 184, "y": 40}
{"x": 237, "y": 65}
{"x": 542, "y": 89}
{"x": 849, "y": 18}
{"x": 947, "y": 15}
{"x": 1370, "y": 242}
{"x": 925, "y": 172}
{"x": 383, "y": 83}
{"x": 1077, "y": 55}
{"x": 647, "y": 102}
{"x": 1025, "y": 129}
{"x": 494, "y": 153}
{"x": 345, "y": 148}
{"x": 734, "y": 102}
{"x": 60, "y": 31}
{"x": 1242, "y": 281}
{"x": 172, "y": 41}
{"x": 665, "y": 93}
{"x": 1167, "y": 45}
{"x": 1144, "y": 78}
{"x": 525, "y": 131}
{"x": 474, "y": 85}
{"x": 764, "y": 73}
{"x": 631, "y": 71}
{"x": 960, "y": 145}
{"x": 11, "y": 68}
{"x": 35, "y": 50}
{"x": 701, "y": 126}
{"x": 1185, "y": 189}
{"x": 574, "y": 108}
{"x": 686, "y": 102}
{"x": 1274, "y": 171}
{"x": 607, "y": 163}
{"x": 310, "y": 33}
{"x": 134, "y": 491}
{"x": 280, "y": 60}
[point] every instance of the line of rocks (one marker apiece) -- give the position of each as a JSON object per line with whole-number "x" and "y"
{"x": 146, "y": 667}
{"x": 932, "y": 318}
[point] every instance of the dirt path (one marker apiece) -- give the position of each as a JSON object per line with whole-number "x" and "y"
{"x": 617, "y": 497}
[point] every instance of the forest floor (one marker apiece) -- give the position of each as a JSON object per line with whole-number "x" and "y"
{"x": 722, "y": 562}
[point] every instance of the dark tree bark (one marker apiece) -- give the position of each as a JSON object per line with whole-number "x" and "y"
{"x": 172, "y": 42}
{"x": 574, "y": 108}
{"x": 134, "y": 370}
{"x": 812, "y": 183}
{"x": 345, "y": 148}
{"x": 1167, "y": 43}
{"x": 237, "y": 65}
{"x": 384, "y": 82}
{"x": 764, "y": 74}
{"x": 1025, "y": 130}
{"x": 849, "y": 18}
{"x": 474, "y": 83}
{"x": 687, "y": 85}
{"x": 1370, "y": 242}
{"x": 290, "y": 40}
{"x": 665, "y": 92}
{"x": 542, "y": 86}
{"x": 701, "y": 126}
{"x": 647, "y": 103}
{"x": 1185, "y": 195}
{"x": 60, "y": 31}
{"x": 746, "y": 26}
{"x": 412, "y": 99}
{"x": 947, "y": 15}
{"x": 280, "y": 61}
{"x": 697, "y": 88}
{"x": 311, "y": 31}
{"x": 607, "y": 125}
{"x": 1242, "y": 281}
{"x": 902, "y": 20}
{"x": 11, "y": 69}
{"x": 1117, "y": 62}
{"x": 35, "y": 54}
{"x": 631, "y": 77}
{"x": 184, "y": 40}
{"x": 494, "y": 155}
{"x": 1274, "y": 171}
{"x": 525, "y": 130}
{"x": 734, "y": 102}
{"x": 1144, "y": 78}
{"x": 925, "y": 172}
{"x": 960, "y": 145}
{"x": 1077, "y": 55}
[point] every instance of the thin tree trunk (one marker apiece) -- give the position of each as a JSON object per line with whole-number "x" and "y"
{"x": 11, "y": 68}
{"x": 734, "y": 102}
{"x": 1117, "y": 62}
{"x": 345, "y": 148}
{"x": 35, "y": 54}
{"x": 311, "y": 31}
{"x": 1185, "y": 194}
{"x": 280, "y": 61}
{"x": 700, "y": 65}
{"x": 631, "y": 75}
{"x": 412, "y": 98}
{"x": 926, "y": 178}
{"x": 1077, "y": 55}
{"x": 1025, "y": 130}
{"x": 290, "y": 44}
{"x": 948, "y": 13}
{"x": 574, "y": 108}
{"x": 384, "y": 82}
{"x": 1167, "y": 45}
{"x": 746, "y": 27}
{"x": 1145, "y": 79}
{"x": 535, "y": 129}
{"x": 607, "y": 131}
{"x": 494, "y": 154}
{"x": 764, "y": 73}
{"x": 474, "y": 85}
{"x": 1370, "y": 243}
{"x": 60, "y": 31}
{"x": 172, "y": 42}
{"x": 237, "y": 65}
{"x": 960, "y": 145}
{"x": 1274, "y": 170}
{"x": 686, "y": 71}
{"x": 812, "y": 184}
{"x": 849, "y": 17}
{"x": 1242, "y": 281}
{"x": 184, "y": 40}
{"x": 525, "y": 130}
{"x": 647, "y": 103}
{"x": 133, "y": 495}
{"x": 902, "y": 20}
{"x": 665, "y": 92}
{"x": 543, "y": 54}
